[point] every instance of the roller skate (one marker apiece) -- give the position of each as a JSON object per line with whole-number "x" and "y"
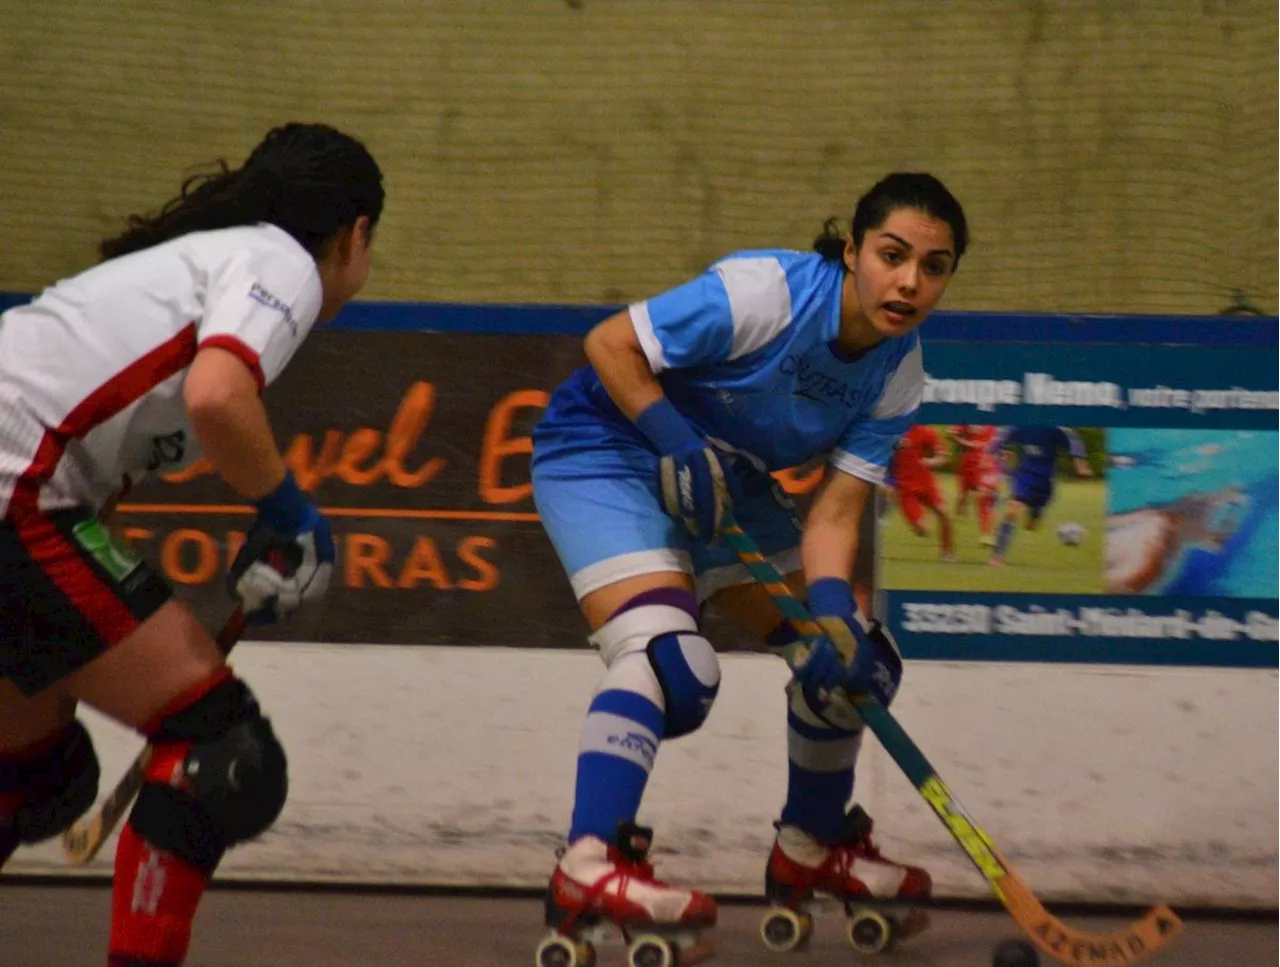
{"x": 606, "y": 892}
{"x": 804, "y": 877}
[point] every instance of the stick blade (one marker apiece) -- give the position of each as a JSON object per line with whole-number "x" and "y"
{"x": 1131, "y": 944}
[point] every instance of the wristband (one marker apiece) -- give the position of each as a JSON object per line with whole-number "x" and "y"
{"x": 286, "y": 507}
{"x": 666, "y": 429}
{"x": 832, "y": 597}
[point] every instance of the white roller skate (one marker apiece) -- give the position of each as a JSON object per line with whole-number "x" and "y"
{"x": 874, "y": 893}
{"x": 606, "y": 892}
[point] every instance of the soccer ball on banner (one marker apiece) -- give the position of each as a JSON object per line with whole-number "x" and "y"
{"x": 1071, "y": 533}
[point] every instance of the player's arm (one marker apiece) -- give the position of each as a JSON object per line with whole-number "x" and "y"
{"x": 938, "y": 453}
{"x": 613, "y": 349}
{"x": 229, "y": 419}
{"x": 829, "y": 543}
{"x": 260, "y": 306}
{"x": 1079, "y": 457}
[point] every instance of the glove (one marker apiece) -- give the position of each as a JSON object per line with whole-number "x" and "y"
{"x": 697, "y": 486}
{"x": 877, "y": 664}
{"x": 286, "y": 559}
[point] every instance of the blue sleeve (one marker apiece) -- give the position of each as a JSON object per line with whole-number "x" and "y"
{"x": 689, "y": 325}
{"x": 867, "y": 445}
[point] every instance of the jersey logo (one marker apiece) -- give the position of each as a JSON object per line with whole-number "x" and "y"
{"x": 260, "y": 294}
{"x": 168, "y": 448}
{"x": 813, "y": 384}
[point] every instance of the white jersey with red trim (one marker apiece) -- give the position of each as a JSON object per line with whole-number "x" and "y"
{"x": 92, "y": 371}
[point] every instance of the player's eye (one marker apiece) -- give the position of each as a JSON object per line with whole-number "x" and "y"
{"x": 936, "y": 267}
{"x": 892, "y": 256}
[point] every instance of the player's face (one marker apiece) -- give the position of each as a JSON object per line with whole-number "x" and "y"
{"x": 902, "y": 269}
{"x": 345, "y": 269}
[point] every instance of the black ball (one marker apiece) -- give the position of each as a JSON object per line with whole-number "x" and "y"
{"x": 1015, "y": 953}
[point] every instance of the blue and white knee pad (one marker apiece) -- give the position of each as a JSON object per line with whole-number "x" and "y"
{"x": 681, "y": 674}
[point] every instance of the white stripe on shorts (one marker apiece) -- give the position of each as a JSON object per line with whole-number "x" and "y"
{"x": 593, "y": 577}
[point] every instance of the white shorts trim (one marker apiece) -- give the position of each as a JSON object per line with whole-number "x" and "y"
{"x": 593, "y": 577}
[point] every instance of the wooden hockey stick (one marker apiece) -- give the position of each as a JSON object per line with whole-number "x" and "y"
{"x": 82, "y": 841}
{"x": 1135, "y": 942}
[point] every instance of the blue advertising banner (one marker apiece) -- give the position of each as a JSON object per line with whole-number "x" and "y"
{"x": 1087, "y": 502}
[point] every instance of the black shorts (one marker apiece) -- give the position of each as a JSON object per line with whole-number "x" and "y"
{"x": 69, "y": 590}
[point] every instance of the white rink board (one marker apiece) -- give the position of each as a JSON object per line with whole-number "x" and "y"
{"x": 454, "y": 765}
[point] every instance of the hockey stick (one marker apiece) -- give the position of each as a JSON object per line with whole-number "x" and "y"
{"x": 1135, "y": 942}
{"x": 82, "y": 840}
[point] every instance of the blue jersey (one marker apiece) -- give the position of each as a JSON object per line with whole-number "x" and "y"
{"x": 1038, "y": 451}
{"x": 747, "y": 353}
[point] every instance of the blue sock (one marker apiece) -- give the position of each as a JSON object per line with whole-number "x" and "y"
{"x": 619, "y": 743}
{"x": 820, "y": 773}
{"x": 1004, "y": 537}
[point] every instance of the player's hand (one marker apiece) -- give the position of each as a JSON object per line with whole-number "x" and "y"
{"x": 286, "y": 559}
{"x": 821, "y": 671}
{"x": 696, "y": 489}
{"x": 878, "y": 666}
{"x": 877, "y": 662}
{"x": 696, "y": 484}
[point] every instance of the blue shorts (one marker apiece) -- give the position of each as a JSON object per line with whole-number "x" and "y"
{"x": 1035, "y": 492}
{"x": 599, "y": 500}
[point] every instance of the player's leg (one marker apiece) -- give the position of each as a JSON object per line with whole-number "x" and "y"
{"x": 630, "y": 570}
{"x": 217, "y": 776}
{"x": 912, "y": 508}
{"x": 817, "y": 847}
{"x": 101, "y": 627}
{"x": 932, "y": 499}
{"x": 964, "y": 485}
{"x": 48, "y": 769}
{"x": 1013, "y": 509}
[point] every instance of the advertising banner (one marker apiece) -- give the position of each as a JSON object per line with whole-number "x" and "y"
{"x": 417, "y": 445}
{"x": 1088, "y": 503}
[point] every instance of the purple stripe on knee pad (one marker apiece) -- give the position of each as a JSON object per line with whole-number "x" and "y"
{"x": 671, "y": 597}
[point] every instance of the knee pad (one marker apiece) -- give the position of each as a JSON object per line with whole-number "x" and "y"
{"x": 689, "y": 674}
{"x": 233, "y": 782}
{"x": 57, "y": 788}
{"x": 662, "y": 625}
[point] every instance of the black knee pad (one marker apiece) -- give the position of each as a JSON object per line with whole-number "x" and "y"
{"x": 60, "y": 786}
{"x": 235, "y": 779}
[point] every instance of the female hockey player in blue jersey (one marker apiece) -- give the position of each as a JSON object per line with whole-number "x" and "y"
{"x": 767, "y": 360}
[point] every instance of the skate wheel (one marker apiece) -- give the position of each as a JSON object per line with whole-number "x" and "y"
{"x": 650, "y": 950}
{"x": 560, "y": 951}
{"x": 784, "y": 930}
{"x": 869, "y": 932}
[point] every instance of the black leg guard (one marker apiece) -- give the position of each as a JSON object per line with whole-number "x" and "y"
{"x": 234, "y": 778}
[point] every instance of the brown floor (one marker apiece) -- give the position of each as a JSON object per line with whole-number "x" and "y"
{"x": 66, "y": 927}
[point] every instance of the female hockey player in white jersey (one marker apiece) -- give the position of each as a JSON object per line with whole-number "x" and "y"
{"x": 766, "y": 361}
{"x": 140, "y": 364}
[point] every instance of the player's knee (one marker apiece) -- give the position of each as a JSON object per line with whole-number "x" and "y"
{"x": 234, "y": 778}
{"x": 55, "y": 789}
{"x": 682, "y": 668}
{"x": 689, "y": 673}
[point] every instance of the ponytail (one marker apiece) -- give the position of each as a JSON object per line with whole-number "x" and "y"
{"x": 310, "y": 180}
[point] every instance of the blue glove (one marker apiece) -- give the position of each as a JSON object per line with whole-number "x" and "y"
{"x": 697, "y": 487}
{"x": 877, "y": 665}
{"x": 287, "y": 557}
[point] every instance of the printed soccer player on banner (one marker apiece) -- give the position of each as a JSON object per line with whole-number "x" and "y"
{"x": 910, "y": 480}
{"x": 1192, "y": 513}
{"x": 1055, "y": 511}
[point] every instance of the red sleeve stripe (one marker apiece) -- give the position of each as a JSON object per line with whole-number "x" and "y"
{"x": 237, "y": 348}
{"x": 74, "y": 577}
